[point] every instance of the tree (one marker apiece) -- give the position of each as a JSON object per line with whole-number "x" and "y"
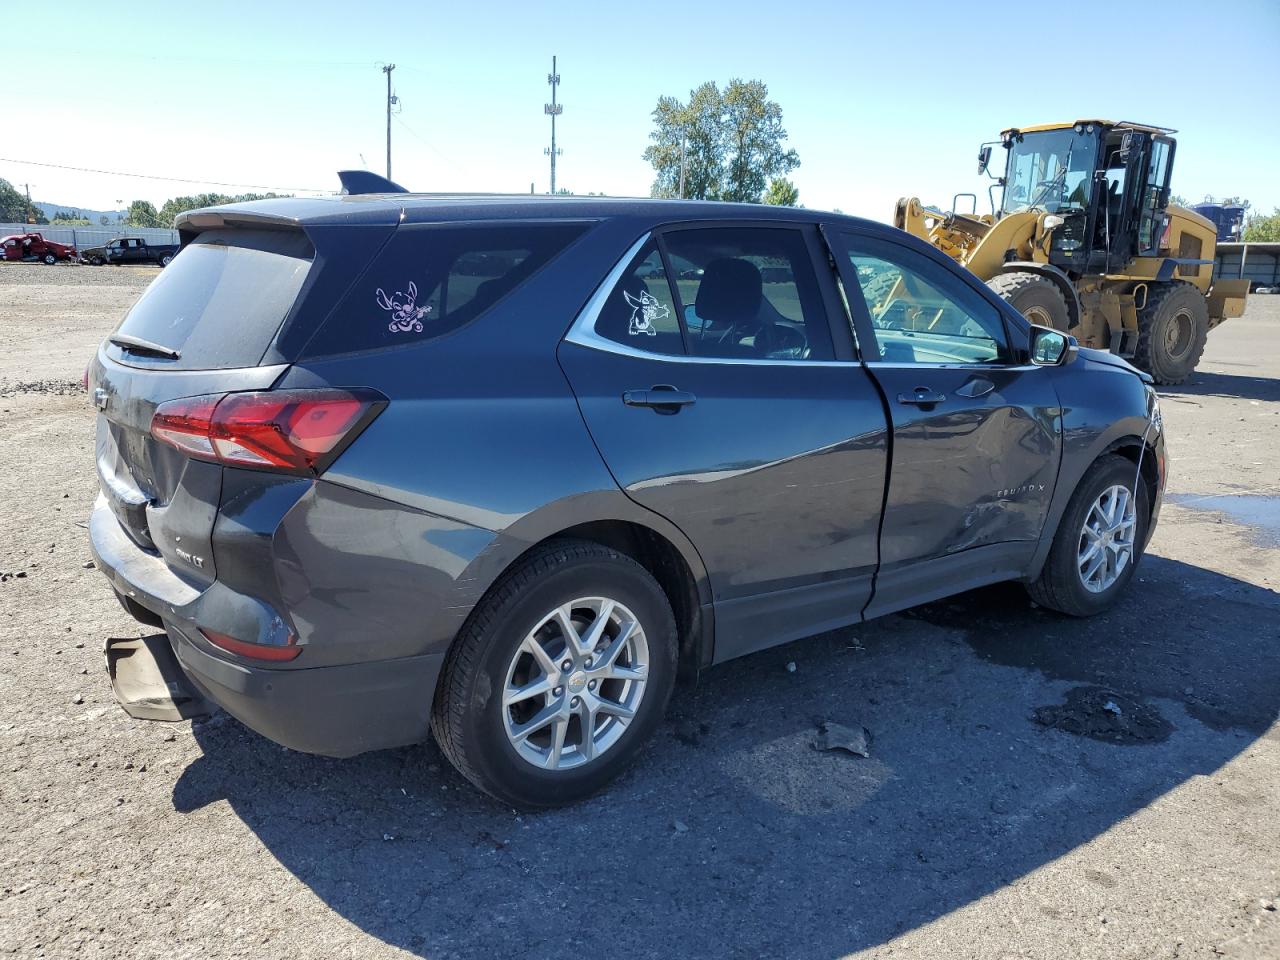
{"x": 13, "y": 205}
{"x": 696, "y": 128}
{"x": 1260, "y": 229}
{"x": 177, "y": 205}
{"x": 104, "y": 220}
{"x": 782, "y": 193}
{"x": 142, "y": 213}
{"x": 755, "y": 152}
{"x": 729, "y": 144}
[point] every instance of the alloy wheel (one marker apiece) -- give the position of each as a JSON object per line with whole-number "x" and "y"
{"x": 575, "y": 683}
{"x": 1107, "y": 538}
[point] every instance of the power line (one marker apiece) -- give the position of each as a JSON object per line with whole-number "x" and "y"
{"x": 148, "y": 176}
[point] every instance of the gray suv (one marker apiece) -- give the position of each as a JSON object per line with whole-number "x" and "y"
{"x": 498, "y": 469}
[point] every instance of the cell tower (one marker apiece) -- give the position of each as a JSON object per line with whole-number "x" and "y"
{"x": 553, "y": 110}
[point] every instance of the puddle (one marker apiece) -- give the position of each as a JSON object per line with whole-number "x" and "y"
{"x": 1261, "y": 514}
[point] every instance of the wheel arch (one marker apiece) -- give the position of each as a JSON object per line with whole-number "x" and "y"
{"x": 617, "y": 522}
{"x": 1127, "y": 444}
{"x": 1060, "y": 279}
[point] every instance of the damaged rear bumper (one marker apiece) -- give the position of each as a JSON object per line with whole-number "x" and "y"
{"x": 333, "y": 710}
{"x": 336, "y": 711}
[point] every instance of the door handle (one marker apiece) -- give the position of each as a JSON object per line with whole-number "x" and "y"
{"x": 977, "y": 387}
{"x": 661, "y": 398}
{"x": 922, "y": 397}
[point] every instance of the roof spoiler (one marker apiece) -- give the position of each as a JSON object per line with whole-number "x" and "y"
{"x": 355, "y": 182}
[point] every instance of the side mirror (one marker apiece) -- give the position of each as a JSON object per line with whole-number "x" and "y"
{"x": 1052, "y": 348}
{"x": 984, "y": 158}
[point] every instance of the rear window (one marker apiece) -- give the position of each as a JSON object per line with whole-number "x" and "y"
{"x": 222, "y": 299}
{"x": 430, "y": 280}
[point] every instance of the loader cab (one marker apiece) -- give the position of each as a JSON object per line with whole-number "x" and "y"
{"x": 1107, "y": 182}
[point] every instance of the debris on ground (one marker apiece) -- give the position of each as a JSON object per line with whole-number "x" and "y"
{"x": 688, "y": 732}
{"x": 1105, "y": 715}
{"x": 791, "y": 666}
{"x": 835, "y": 736}
{"x": 680, "y": 826}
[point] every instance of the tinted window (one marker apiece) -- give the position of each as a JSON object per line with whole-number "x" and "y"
{"x": 920, "y": 313}
{"x": 749, "y": 293}
{"x": 432, "y": 280}
{"x": 641, "y": 312}
{"x": 222, "y": 299}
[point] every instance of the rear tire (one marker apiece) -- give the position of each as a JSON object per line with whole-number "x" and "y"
{"x": 1063, "y": 584}
{"x": 1035, "y": 297}
{"x": 1172, "y": 330}
{"x": 477, "y": 719}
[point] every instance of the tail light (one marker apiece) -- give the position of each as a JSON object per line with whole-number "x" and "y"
{"x": 254, "y": 651}
{"x": 291, "y": 431}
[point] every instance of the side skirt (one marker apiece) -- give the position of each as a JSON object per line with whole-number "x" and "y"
{"x": 912, "y": 584}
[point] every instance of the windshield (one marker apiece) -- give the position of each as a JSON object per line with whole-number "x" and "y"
{"x": 1050, "y": 171}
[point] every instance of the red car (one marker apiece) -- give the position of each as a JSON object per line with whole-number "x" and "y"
{"x": 33, "y": 246}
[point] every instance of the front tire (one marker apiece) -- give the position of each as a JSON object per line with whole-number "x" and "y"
{"x": 1172, "y": 329}
{"x": 559, "y": 676}
{"x": 1099, "y": 541}
{"x": 50, "y": 259}
{"x": 164, "y": 261}
{"x": 1035, "y": 297}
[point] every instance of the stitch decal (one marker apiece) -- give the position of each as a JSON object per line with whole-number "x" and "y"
{"x": 644, "y": 310}
{"x": 406, "y": 315}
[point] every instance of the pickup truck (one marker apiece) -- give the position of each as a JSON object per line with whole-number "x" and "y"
{"x": 130, "y": 250}
{"x": 34, "y": 247}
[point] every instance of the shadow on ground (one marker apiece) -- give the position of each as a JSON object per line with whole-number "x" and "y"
{"x": 733, "y": 837}
{"x": 1205, "y": 384}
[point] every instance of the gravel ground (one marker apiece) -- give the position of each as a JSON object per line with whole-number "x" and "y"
{"x": 1006, "y": 809}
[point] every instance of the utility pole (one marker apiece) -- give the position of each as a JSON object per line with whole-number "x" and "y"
{"x": 27, "y": 186}
{"x": 387, "y": 68}
{"x": 683, "y": 139}
{"x": 553, "y": 110}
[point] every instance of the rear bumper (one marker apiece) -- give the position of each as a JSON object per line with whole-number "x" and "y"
{"x": 333, "y": 710}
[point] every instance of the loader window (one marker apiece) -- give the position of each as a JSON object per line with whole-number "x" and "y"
{"x": 1051, "y": 171}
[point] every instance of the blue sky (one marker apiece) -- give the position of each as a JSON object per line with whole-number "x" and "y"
{"x": 880, "y": 99}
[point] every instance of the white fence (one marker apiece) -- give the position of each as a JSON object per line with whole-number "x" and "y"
{"x": 84, "y": 237}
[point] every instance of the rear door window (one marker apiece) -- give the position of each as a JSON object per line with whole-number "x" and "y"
{"x": 749, "y": 293}
{"x": 640, "y": 312}
{"x": 431, "y": 280}
{"x": 221, "y": 301}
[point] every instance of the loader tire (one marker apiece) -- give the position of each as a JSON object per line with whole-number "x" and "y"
{"x": 1172, "y": 330}
{"x": 1035, "y": 297}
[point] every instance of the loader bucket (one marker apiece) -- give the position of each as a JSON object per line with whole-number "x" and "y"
{"x": 1227, "y": 299}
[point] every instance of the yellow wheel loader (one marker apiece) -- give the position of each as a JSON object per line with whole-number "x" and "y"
{"x": 1085, "y": 240}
